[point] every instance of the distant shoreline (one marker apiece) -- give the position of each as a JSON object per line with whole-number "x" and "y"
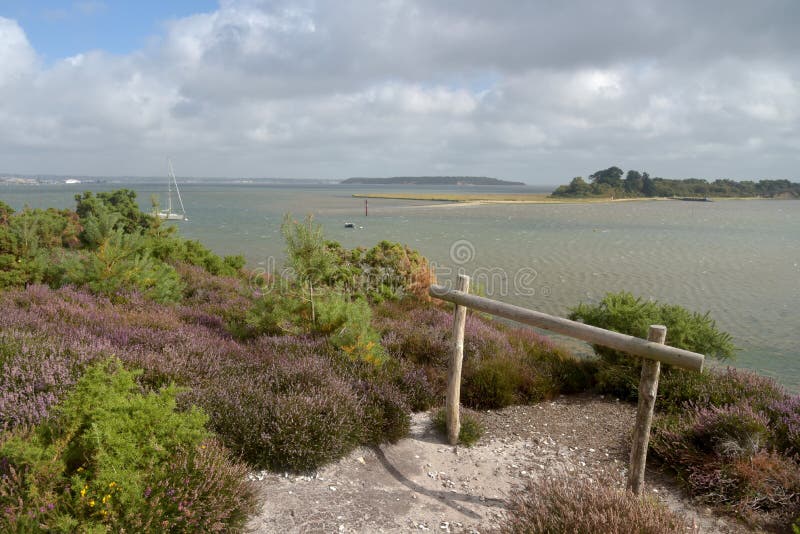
{"x": 432, "y": 180}
{"x": 522, "y": 198}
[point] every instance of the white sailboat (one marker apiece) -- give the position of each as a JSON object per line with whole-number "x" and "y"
{"x": 167, "y": 214}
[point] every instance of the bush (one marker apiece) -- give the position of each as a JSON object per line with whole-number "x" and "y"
{"x": 785, "y": 423}
{"x": 730, "y": 431}
{"x": 622, "y": 312}
{"x": 549, "y": 370}
{"x": 471, "y": 428}
{"x": 501, "y": 366}
{"x": 346, "y": 322}
{"x": 92, "y": 465}
{"x": 120, "y": 263}
{"x": 562, "y": 505}
{"x": 387, "y": 271}
{"x": 201, "y": 490}
{"x": 618, "y": 374}
{"x": 386, "y": 413}
{"x": 722, "y": 455}
{"x": 414, "y": 384}
{"x": 714, "y": 387}
{"x": 288, "y": 415}
{"x": 491, "y": 384}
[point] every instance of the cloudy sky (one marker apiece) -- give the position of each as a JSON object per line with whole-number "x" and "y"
{"x": 538, "y": 91}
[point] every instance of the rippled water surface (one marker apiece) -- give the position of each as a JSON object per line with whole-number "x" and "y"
{"x": 739, "y": 260}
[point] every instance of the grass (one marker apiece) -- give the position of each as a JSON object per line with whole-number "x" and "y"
{"x": 471, "y": 428}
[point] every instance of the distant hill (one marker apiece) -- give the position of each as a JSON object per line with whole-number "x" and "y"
{"x": 432, "y": 180}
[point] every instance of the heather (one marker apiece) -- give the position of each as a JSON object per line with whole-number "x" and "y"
{"x": 502, "y": 365}
{"x": 738, "y": 457}
{"x": 561, "y": 505}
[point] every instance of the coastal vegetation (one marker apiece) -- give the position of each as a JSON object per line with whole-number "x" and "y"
{"x": 614, "y": 182}
{"x": 142, "y": 376}
{"x": 431, "y": 180}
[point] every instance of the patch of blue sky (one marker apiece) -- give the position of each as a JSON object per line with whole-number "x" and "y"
{"x": 59, "y": 29}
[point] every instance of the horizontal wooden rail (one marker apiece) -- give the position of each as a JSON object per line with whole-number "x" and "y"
{"x": 591, "y": 334}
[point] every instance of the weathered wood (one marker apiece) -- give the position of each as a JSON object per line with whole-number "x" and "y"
{"x": 648, "y": 387}
{"x": 598, "y": 336}
{"x": 454, "y": 371}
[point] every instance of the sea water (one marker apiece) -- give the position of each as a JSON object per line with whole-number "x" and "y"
{"x": 738, "y": 260}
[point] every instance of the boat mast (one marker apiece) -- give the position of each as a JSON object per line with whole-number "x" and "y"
{"x": 178, "y": 191}
{"x": 169, "y": 187}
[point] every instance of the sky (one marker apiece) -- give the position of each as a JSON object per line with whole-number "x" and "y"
{"x": 536, "y": 91}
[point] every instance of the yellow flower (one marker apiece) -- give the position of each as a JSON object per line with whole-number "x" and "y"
{"x": 106, "y": 499}
{"x": 83, "y": 491}
{"x": 91, "y": 503}
{"x": 112, "y": 484}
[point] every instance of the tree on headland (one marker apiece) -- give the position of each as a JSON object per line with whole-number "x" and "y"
{"x": 576, "y": 188}
{"x": 611, "y": 176}
{"x": 609, "y": 183}
{"x": 634, "y": 182}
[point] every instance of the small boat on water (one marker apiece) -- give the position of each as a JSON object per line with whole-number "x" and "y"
{"x": 349, "y": 225}
{"x": 168, "y": 214}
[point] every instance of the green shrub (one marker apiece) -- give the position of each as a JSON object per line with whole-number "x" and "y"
{"x": 622, "y": 312}
{"x": 349, "y": 323}
{"x": 121, "y": 262}
{"x": 120, "y": 202}
{"x": 491, "y": 384}
{"x": 387, "y": 271}
{"x": 93, "y": 465}
{"x": 307, "y": 252}
{"x": 346, "y": 322}
{"x": 618, "y": 373}
{"x": 471, "y": 428}
{"x": 565, "y": 506}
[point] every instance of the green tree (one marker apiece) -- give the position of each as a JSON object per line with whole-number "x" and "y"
{"x": 120, "y": 201}
{"x": 611, "y": 176}
{"x": 633, "y": 183}
{"x": 648, "y": 186}
{"x": 307, "y": 252}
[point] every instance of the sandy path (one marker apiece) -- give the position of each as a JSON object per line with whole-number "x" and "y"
{"x": 421, "y": 484}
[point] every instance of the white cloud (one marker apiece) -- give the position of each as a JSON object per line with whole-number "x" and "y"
{"x": 17, "y": 58}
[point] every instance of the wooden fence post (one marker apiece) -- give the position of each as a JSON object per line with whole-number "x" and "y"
{"x": 454, "y": 371}
{"x": 648, "y": 387}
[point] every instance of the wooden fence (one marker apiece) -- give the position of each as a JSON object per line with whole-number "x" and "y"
{"x": 651, "y": 349}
